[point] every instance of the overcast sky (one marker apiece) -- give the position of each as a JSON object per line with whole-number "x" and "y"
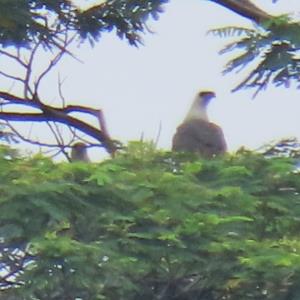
{"x": 139, "y": 89}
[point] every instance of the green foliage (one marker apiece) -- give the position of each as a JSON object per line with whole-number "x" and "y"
{"x": 127, "y": 17}
{"x": 23, "y": 21}
{"x": 149, "y": 225}
{"x": 288, "y": 147}
{"x": 271, "y": 50}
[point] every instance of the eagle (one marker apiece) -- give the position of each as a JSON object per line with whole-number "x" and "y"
{"x": 197, "y": 134}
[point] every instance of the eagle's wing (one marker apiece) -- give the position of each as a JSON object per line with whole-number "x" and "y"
{"x": 201, "y": 137}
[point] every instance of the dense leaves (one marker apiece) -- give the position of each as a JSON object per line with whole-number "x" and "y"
{"x": 23, "y": 21}
{"x": 127, "y": 17}
{"x": 271, "y": 50}
{"x": 150, "y": 225}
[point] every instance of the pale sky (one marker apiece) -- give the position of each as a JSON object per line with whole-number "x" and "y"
{"x": 140, "y": 88}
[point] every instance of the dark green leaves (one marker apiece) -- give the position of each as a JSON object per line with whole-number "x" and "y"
{"x": 271, "y": 51}
{"x": 22, "y": 22}
{"x": 150, "y": 225}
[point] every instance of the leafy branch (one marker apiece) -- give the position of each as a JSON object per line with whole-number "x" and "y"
{"x": 271, "y": 50}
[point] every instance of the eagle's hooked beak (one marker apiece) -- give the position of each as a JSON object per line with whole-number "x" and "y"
{"x": 206, "y": 97}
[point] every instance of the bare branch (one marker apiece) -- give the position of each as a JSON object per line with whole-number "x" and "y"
{"x": 56, "y": 134}
{"x": 158, "y": 134}
{"x": 60, "y": 83}
{"x": 94, "y": 112}
{"x": 50, "y": 114}
{"x": 59, "y": 115}
{"x": 53, "y": 62}
{"x": 18, "y": 100}
{"x": 27, "y": 88}
{"x": 102, "y": 122}
{"x": 31, "y": 141}
{"x": 14, "y": 57}
{"x": 82, "y": 109}
{"x": 59, "y": 139}
{"x": 63, "y": 47}
{"x": 11, "y": 76}
{"x": 245, "y": 8}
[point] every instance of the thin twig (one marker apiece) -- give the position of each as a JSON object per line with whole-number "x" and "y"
{"x": 57, "y": 136}
{"x": 60, "y": 83}
{"x": 158, "y": 134}
{"x": 59, "y": 139}
{"x": 28, "y": 140}
{"x": 12, "y": 77}
{"x": 16, "y": 58}
{"x": 29, "y": 71}
{"x": 52, "y": 63}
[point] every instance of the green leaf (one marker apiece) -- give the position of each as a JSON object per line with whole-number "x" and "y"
{"x": 10, "y": 232}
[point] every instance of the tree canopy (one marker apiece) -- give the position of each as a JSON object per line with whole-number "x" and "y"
{"x": 149, "y": 225}
{"x": 22, "y": 21}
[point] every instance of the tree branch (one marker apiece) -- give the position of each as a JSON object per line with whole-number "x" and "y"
{"x": 47, "y": 113}
{"x": 29, "y": 140}
{"x": 53, "y": 62}
{"x": 16, "y": 78}
{"x": 12, "y": 99}
{"x": 60, "y": 115}
{"x": 54, "y": 115}
{"x": 14, "y": 57}
{"x": 245, "y": 8}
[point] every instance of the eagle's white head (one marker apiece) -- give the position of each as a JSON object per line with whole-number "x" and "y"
{"x": 198, "y": 108}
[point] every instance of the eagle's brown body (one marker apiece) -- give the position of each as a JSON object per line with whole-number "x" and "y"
{"x": 196, "y": 134}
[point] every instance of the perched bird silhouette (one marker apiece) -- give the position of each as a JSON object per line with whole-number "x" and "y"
{"x": 79, "y": 152}
{"x": 196, "y": 134}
